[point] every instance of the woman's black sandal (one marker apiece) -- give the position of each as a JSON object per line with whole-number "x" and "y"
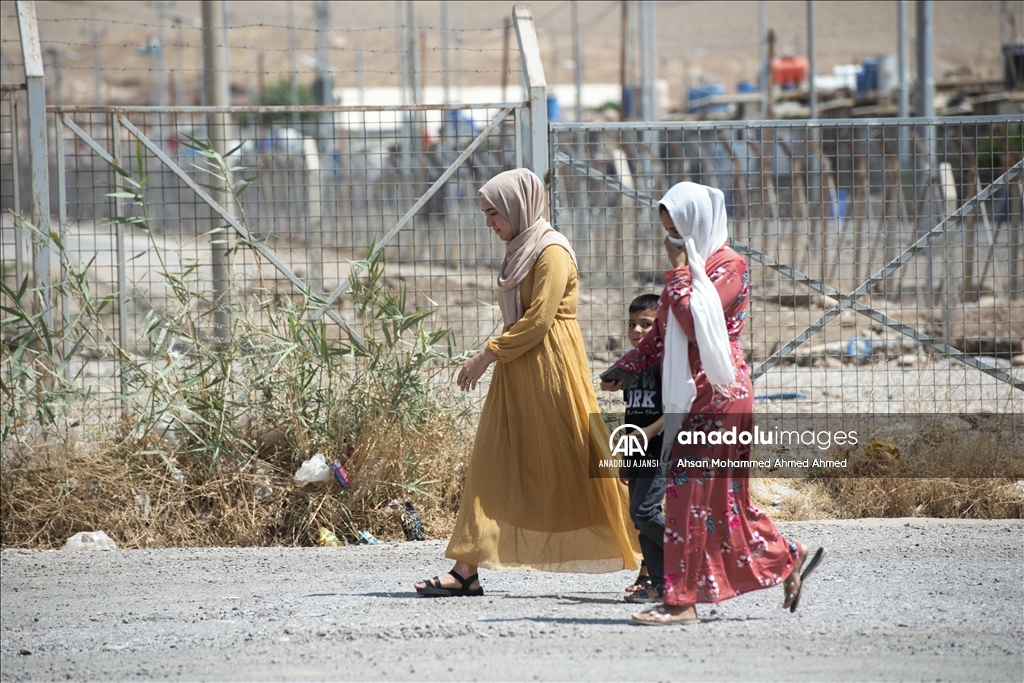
{"x": 433, "y": 589}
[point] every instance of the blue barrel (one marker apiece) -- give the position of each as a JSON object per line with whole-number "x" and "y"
{"x": 867, "y": 77}
{"x": 627, "y": 103}
{"x": 554, "y": 111}
{"x": 698, "y": 93}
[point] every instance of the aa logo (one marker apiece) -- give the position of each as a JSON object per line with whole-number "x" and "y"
{"x": 628, "y": 444}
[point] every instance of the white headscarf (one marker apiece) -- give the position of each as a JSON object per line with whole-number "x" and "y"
{"x": 519, "y": 196}
{"x": 698, "y": 213}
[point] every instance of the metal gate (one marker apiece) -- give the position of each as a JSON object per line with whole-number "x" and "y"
{"x": 887, "y": 256}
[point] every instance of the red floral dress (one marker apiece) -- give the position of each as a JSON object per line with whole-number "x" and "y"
{"x": 717, "y": 544}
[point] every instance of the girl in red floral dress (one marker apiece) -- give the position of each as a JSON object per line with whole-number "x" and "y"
{"x": 717, "y": 544}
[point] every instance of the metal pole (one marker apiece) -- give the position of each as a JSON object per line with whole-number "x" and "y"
{"x": 227, "y": 44}
{"x": 577, "y": 56}
{"x": 762, "y": 33}
{"x": 35, "y": 91}
{"x": 446, "y": 66}
{"x": 161, "y": 66}
{"x": 813, "y": 94}
{"x": 292, "y": 67}
{"x": 903, "y": 64}
{"x": 97, "y": 78}
{"x": 506, "y": 33}
{"x": 215, "y": 66}
{"x": 122, "y": 289}
{"x": 533, "y": 70}
{"x": 414, "y": 52}
{"x": 323, "y": 54}
{"x": 179, "y": 95}
{"x": 623, "y": 52}
{"x": 458, "y": 59}
{"x": 58, "y": 76}
{"x": 361, "y": 74}
{"x": 647, "y": 60}
{"x": 925, "y": 72}
{"x": 769, "y": 95}
{"x": 400, "y": 48}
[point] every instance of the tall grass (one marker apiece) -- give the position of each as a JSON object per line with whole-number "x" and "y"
{"x": 214, "y": 422}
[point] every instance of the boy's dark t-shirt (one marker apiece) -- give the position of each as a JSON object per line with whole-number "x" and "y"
{"x": 643, "y": 405}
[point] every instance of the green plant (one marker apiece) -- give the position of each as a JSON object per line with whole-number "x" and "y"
{"x": 232, "y": 414}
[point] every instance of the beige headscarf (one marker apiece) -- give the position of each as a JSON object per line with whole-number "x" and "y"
{"x": 519, "y": 196}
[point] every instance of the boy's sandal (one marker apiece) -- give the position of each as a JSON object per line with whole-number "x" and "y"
{"x": 644, "y": 594}
{"x": 641, "y": 584}
{"x": 434, "y": 589}
{"x": 659, "y": 616}
{"x": 642, "y": 580}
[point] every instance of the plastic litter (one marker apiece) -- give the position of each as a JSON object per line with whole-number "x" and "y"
{"x": 90, "y": 540}
{"x": 781, "y": 396}
{"x": 412, "y": 524}
{"x": 339, "y": 473}
{"x": 313, "y": 471}
{"x": 328, "y": 539}
{"x": 143, "y": 504}
{"x": 176, "y": 474}
{"x": 367, "y": 537}
{"x": 263, "y": 492}
{"x": 858, "y": 349}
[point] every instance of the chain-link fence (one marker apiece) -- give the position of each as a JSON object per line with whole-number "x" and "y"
{"x": 887, "y": 256}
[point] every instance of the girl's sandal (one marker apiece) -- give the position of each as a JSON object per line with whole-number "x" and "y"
{"x": 794, "y": 583}
{"x": 659, "y": 616}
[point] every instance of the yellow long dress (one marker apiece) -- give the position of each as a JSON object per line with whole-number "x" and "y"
{"x": 529, "y": 501}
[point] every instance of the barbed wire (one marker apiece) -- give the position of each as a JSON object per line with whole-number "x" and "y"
{"x": 232, "y": 46}
{"x": 312, "y": 29}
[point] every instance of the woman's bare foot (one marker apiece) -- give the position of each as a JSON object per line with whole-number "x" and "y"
{"x": 667, "y": 615}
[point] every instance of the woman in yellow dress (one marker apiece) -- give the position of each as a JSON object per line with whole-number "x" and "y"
{"x": 529, "y": 500}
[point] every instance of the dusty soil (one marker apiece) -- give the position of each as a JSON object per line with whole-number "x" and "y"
{"x": 905, "y": 599}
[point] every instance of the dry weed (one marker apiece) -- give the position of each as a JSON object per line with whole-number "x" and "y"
{"x": 128, "y": 490}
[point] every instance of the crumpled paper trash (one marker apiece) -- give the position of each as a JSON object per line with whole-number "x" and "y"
{"x": 90, "y": 540}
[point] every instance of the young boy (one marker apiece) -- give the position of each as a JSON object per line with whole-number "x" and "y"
{"x": 646, "y": 485}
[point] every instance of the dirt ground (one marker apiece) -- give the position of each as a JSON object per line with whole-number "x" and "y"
{"x": 895, "y": 600}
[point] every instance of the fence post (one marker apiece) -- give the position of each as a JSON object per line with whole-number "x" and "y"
{"x": 537, "y": 88}
{"x": 35, "y": 88}
{"x": 216, "y": 86}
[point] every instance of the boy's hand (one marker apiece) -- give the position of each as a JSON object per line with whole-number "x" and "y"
{"x": 653, "y": 429}
{"x": 676, "y": 255}
{"x": 610, "y": 386}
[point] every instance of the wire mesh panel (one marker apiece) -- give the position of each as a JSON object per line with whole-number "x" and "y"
{"x": 314, "y": 189}
{"x": 885, "y": 255}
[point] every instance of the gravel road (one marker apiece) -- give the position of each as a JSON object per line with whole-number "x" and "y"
{"x": 906, "y": 599}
